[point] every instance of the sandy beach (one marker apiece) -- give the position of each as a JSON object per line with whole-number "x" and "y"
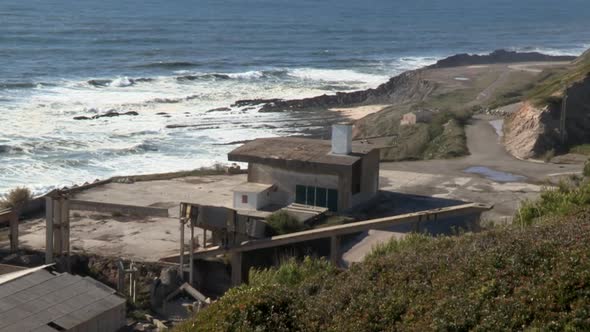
{"x": 356, "y": 113}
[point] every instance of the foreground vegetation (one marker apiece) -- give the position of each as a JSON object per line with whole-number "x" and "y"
{"x": 534, "y": 275}
{"x": 16, "y": 198}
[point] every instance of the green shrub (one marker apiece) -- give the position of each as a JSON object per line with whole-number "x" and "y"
{"x": 506, "y": 278}
{"x": 16, "y": 198}
{"x": 269, "y": 302}
{"x": 562, "y": 200}
{"x": 282, "y": 222}
{"x": 395, "y": 245}
{"x": 290, "y": 272}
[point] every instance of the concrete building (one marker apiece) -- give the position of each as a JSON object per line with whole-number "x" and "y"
{"x": 336, "y": 174}
{"x": 421, "y": 116}
{"x": 40, "y": 300}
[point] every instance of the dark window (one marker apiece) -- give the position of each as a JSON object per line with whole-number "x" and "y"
{"x": 317, "y": 196}
{"x": 244, "y": 199}
{"x": 310, "y": 198}
{"x": 333, "y": 200}
{"x": 300, "y": 193}
{"x": 321, "y": 197}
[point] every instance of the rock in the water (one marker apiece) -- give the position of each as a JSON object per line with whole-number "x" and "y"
{"x": 219, "y": 109}
{"x": 253, "y": 102}
{"x": 108, "y": 114}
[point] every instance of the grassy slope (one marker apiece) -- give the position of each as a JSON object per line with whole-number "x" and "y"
{"x": 412, "y": 143}
{"x": 443, "y": 137}
{"x": 509, "y": 278}
{"x": 551, "y": 87}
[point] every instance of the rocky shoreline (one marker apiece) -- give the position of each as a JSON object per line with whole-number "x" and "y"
{"x": 400, "y": 87}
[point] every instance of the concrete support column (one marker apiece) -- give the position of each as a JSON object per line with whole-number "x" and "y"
{"x": 57, "y": 242}
{"x": 191, "y": 278}
{"x": 236, "y": 268}
{"x": 65, "y": 231}
{"x": 335, "y": 250}
{"x": 181, "y": 267}
{"x": 48, "y": 230}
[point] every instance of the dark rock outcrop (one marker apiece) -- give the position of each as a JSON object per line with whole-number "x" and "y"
{"x": 219, "y": 109}
{"x": 405, "y": 87}
{"x": 254, "y": 102}
{"x": 108, "y": 114}
{"x": 498, "y": 56}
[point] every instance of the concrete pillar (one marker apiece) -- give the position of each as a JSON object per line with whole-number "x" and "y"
{"x": 120, "y": 278}
{"x": 48, "y": 230}
{"x": 236, "y": 268}
{"x": 335, "y": 250}
{"x": 65, "y": 231}
{"x": 57, "y": 242}
{"x": 181, "y": 267}
{"x": 14, "y": 231}
{"x": 191, "y": 272}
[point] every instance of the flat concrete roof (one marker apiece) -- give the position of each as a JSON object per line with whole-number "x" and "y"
{"x": 294, "y": 152}
{"x": 252, "y": 187}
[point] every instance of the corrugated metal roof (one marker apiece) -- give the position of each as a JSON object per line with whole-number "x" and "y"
{"x": 36, "y": 301}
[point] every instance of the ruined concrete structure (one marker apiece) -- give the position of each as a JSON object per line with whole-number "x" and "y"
{"x": 421, "y": 116}
{"x": 337, "y": 174}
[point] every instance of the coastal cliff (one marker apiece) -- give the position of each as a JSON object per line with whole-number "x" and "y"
{"x": 534, "y": 129}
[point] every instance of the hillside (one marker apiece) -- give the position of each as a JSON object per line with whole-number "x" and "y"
{"x": 534, "y": 129}
{"x": 455, "y": 86}
{"x": 528, "y": 277}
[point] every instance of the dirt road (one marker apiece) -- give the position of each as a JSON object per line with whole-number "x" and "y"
{"x": 488, "y": 175}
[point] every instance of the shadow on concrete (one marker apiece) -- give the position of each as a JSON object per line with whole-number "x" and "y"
{"x": 387, "y": 204}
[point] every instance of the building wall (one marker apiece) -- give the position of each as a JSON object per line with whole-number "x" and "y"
{"x": 408, "y": 119}
{"x": 369, "y": 179}
{"x": 109, "y": 321}
{"x": 286, "y": 181}
{"x": 255, "y": 200}
{"x": 252, "y": 201}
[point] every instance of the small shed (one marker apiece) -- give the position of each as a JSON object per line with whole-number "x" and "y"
{"x": 421, "y": 116}
{"x": 251, "y": 195}
{"x": 41, "y": 300}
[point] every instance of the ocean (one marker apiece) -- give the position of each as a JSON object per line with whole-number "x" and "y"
{"x": 172, "y": 61}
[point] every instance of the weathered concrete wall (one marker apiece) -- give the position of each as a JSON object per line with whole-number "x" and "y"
{"x": 122, "y": 208}
{"x": 286, "y": 180}
{"x": 369, "y": 179}
{"x": 109, "y": 321}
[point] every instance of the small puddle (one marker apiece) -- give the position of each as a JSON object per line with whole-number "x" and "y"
{"x": 498, "y": 124}
{"x": 495, "y": 175}
{"x": 462, "y": 79}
